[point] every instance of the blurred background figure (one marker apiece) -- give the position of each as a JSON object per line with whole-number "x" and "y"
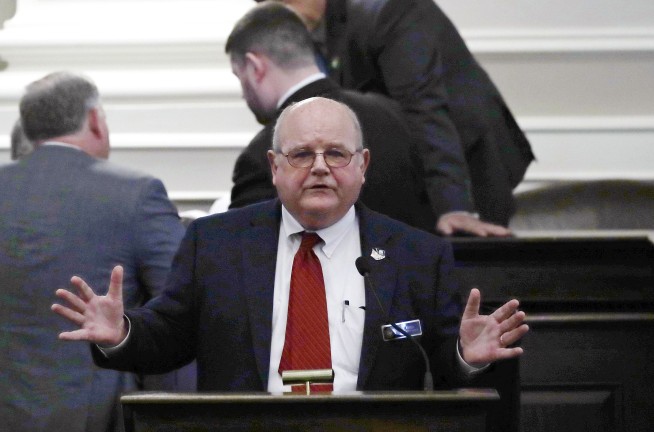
{"x": 472, "y": 150}
{"x": 272, "y": 54}
{"x": 65, "y": 210}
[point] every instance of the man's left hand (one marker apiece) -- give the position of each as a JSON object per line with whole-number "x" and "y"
{"x": 487, "y": 338}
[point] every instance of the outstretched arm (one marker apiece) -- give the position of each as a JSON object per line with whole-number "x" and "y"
{"x": 100, "y": 318}
{"x": 487, "y": 338}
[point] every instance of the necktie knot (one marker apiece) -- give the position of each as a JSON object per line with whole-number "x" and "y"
{"x": 309, "y": 240}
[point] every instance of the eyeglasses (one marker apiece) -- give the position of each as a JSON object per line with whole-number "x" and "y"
{"x": 334, "y": 158}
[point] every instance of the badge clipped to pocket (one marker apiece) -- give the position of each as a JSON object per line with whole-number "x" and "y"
{"x": 412, "y": 328}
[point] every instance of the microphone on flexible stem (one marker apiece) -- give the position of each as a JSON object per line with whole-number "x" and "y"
{"x": 363, "y": 266}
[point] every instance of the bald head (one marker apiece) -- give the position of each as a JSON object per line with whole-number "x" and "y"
{"x": 318, "y": 163}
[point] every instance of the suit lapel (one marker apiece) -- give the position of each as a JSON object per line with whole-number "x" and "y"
{"x": 259, "y": 249}
{"x": 383, "y": 275}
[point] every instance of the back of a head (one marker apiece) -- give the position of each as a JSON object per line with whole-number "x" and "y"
{"x": 274, "y": 30}
{"x": 56, "y": 105}
{"x": 21, "y": 146}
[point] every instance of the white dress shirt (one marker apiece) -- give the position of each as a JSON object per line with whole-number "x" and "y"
{"x": 345, "y": 292}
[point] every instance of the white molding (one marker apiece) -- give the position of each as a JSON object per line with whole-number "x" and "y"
{"x": 135, "y": 86}
{"x": 210, "y": 49}
{"x": 589, "y": 175}
{"x": 183, "y": 141}
{"x": 587, "y": 124}
{"x": 580, "y": 40}
{"x": 187, "y": 196}
{"x": 195, "y": 31}
{"x": 237, "y": 140}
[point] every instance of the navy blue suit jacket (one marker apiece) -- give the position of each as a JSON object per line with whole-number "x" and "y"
{"x": 219, "y": 299}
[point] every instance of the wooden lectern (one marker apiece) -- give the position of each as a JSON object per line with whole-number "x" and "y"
{"x": 452, "y": 411}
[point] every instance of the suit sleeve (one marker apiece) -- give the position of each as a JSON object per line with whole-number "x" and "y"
{"x": 447, "y": 311}
{"x": 162, "y": 333}
{"x": 406, "y": 49}
{"x": 158, "y": 232}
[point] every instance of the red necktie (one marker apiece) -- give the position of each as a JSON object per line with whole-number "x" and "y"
{"x": 306, "y": 345}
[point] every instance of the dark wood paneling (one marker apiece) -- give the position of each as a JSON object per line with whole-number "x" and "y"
{"x": 589, "y": 357}
{"x": 584, "y": 408}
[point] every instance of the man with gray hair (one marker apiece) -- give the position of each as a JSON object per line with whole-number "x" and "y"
{"x": 64, "y": 209}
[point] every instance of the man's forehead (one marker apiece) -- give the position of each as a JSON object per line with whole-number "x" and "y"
{"x": 318, "y": 122}
{"x": 318, "y": 113}
{"x": 319, "y": 133}
{"x": 317, "y": 144}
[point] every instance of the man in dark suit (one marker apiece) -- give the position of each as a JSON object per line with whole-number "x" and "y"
{"x": 272, "y": 55}
{"x": 472, "y": 150}
{"x": 65, "y": 209}
{"x": 227, "y": 297}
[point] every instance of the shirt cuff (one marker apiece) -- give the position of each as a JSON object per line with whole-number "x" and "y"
{"x": 467, "y": 369}
{"x": 108, "y": 351}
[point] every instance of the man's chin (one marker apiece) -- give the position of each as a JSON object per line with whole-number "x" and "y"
{"x": 319, "y": 205}
{"x": 264, "y": 119}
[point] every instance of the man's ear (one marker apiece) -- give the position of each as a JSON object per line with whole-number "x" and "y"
{"x": 94, "y": 121}
{"x": 273, "y": 165}
{"x": 365, "y": 161}
{"x": 256, "y": 64}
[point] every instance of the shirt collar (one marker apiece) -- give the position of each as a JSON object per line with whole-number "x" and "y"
{"x": 60, "y": 144}
{"x": 305, "y": 82}
{"x": 331, "y": 236}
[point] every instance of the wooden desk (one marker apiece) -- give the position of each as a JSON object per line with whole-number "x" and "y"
{"x": 458, "y": 410}
{"x": 589, "y": 358}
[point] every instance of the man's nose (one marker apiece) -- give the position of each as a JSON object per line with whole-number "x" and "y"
{"x": 319, "y": 163}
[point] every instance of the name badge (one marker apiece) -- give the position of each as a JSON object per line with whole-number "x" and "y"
{"x": 413, "y": 328}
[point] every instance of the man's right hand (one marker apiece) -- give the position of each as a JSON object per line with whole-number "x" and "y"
{"x": 100, "y": 318}
{"x": 463, "y": 222}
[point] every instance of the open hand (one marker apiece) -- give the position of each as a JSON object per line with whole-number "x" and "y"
{"x": 487, "y": 338}
{"x": 100, "y": 318}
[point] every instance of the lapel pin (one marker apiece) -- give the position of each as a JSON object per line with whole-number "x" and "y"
{"x": 335, "y": 64}
{"x": 378, "y": 254}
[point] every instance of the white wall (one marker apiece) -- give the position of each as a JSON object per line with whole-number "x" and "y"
{"x": 578, "y": 74}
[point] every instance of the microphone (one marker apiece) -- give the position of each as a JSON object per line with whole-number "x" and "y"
{"x": 364, "y": 268}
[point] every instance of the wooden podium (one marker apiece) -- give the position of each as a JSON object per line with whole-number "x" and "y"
{"x": 452, "y": 411}
{"x": 589, "y": 298}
